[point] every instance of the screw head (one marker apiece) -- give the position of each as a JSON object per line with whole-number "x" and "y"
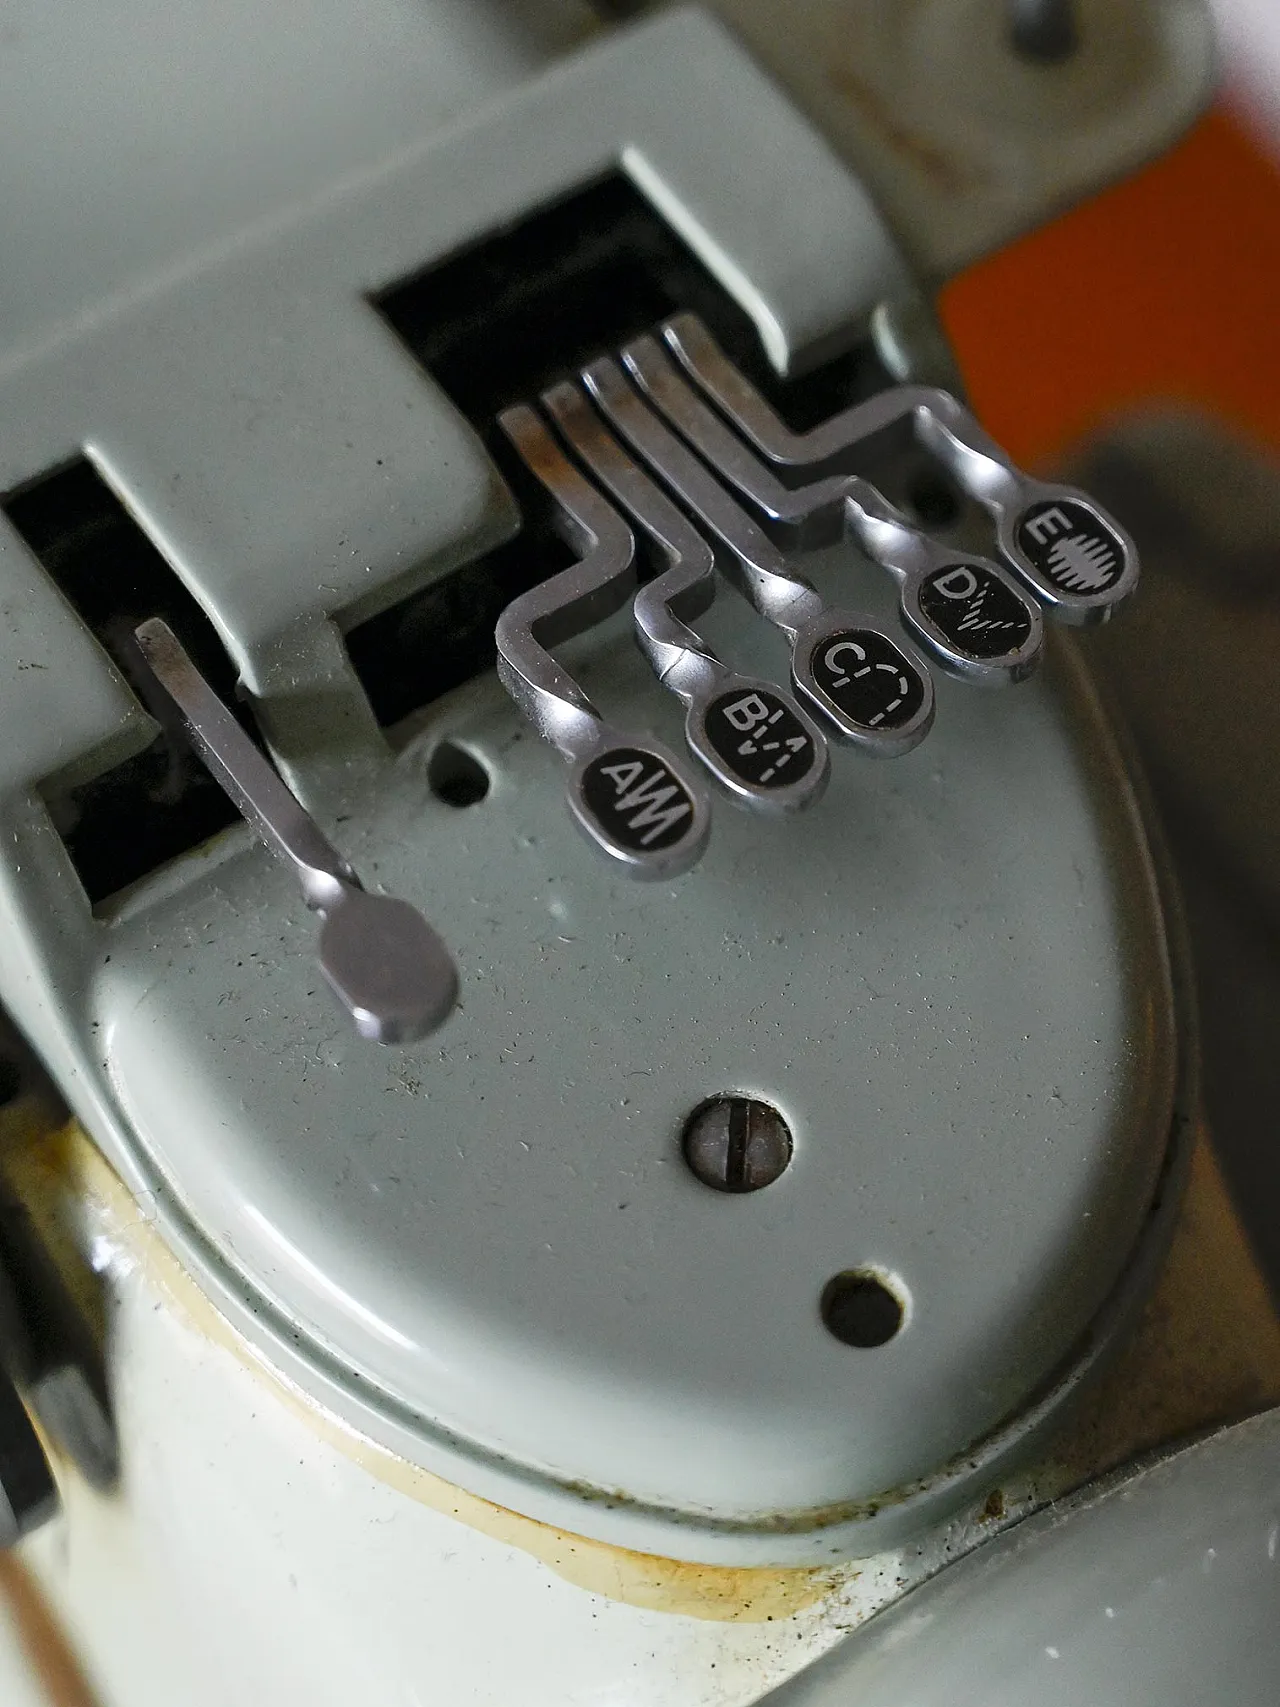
{"x": 737, "y": 1143}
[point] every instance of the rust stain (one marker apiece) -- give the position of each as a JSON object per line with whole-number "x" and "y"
{"x": 1207, "y": 1350}
{"x": 53, "y": 1171}
{"x": 43, "y": 1639}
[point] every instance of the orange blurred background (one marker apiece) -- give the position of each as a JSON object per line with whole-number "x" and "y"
{"x": 1166, "y": 287}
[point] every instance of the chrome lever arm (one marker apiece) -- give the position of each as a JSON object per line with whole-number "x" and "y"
{"x": 967, "y": 611}
{"x": 1074, "y": 556}
{"x": 627, "y": 793}
{"x": 877, "y": 696}
{"x": 385, "y": 963}
{"x": 754, "y": 740}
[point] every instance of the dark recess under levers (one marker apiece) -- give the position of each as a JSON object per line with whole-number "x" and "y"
{"x": 162, "y": 802}
{"x": 496, "y": 324}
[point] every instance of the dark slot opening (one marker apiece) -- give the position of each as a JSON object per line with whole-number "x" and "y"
{"x": 499, "y": 322}
{"x": 503, "y": 319}
{"x": 437, "y": 639}
{"x": 162, "y": 802}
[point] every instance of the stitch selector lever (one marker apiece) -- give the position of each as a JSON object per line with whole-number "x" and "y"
{"x": 671, "y": 418}
{"x": 385, "y": 963}
{"x": 968, "y": 612}
{"x": 757, "y": 743}
{"x": 882, "y": 715}
{"x": 628, "y": 794}
{"x": 1077, "y": 560}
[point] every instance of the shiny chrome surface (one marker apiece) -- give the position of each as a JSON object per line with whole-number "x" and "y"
{"x": 384, "y": 962}
{"x": 755, "y": 741}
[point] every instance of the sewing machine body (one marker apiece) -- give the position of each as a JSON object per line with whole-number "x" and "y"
{"x": 435, "y": 1367}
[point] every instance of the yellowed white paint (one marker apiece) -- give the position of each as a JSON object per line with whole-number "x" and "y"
{"x": 260, "y": 1550}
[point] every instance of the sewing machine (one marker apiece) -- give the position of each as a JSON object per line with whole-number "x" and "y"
{"x": 612, "y": 1088}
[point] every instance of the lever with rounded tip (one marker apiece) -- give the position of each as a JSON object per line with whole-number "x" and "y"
{"x": 627, "y": 794}
{"x": 867, "y": 687}
{"x": 385, "y": 963}
{"x": 755, "y": 741}
{"x": 969, "y": 612}
{"x": 1075, "y": 557}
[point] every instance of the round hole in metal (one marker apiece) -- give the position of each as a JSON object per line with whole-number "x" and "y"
{"x": 859, "y": 1309}
{"x": 456, "y": 776}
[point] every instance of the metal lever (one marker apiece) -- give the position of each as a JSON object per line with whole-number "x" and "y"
{"x": 755, "y": 741}
{"x": 627, "y": 793}
{"x": 865, "y": 685}
{"x": 28, "y": 1494}
{"x": 386, "y": 965}
{"x": 1075, "y": 557}
{"x": 972, "y": 616}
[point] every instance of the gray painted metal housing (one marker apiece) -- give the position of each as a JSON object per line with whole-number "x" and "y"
{"x": 1163, "y": 1586}
{"x": 952, "y": 977}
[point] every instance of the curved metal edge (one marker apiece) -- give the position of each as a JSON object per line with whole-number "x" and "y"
{"x": 854, "y": 1530}
{"x": 828, "y": 1669}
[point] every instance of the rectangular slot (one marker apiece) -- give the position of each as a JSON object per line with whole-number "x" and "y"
{"x": 496, "y": 324}
{"x": 161, "y": 803}
{"x": 437, "y": 639}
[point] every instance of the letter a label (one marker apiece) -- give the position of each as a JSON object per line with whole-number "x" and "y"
{"x": 636, "y": 801}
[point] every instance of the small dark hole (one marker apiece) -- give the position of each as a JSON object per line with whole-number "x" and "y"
{"x": 455, "y": 777}
{"x": 859, "y": 1309}
{"x": 10, "y": 1081}
{"x": 934, "y": 500}
{"x": 1044, "y": 31}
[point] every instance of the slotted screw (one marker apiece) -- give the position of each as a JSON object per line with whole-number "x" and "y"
{"x": 737, "y": 1143}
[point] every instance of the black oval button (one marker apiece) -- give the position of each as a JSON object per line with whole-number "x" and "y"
{"x": 760, "y": 738}
{"x": 975, "y": 610}
{"x": 867, "y": 678}
{"x": 637, "y": 799}
{"x": 1071, "y": 547}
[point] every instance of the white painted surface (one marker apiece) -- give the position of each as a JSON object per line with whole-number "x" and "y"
{"x": 247, "y": 1562}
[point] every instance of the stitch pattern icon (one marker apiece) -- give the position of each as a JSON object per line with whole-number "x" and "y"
{"x": 1082, "y": 564}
